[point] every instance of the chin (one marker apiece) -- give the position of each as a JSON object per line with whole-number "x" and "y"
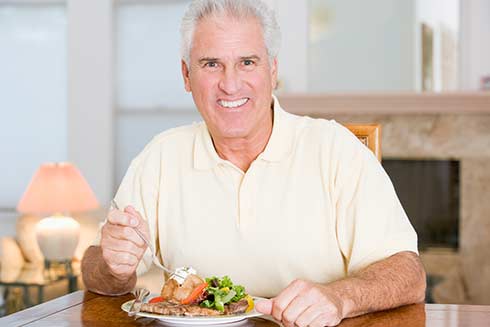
{"x": 235, "y": 133}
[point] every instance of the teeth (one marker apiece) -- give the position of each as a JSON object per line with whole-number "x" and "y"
{"x": 233, "y": 104}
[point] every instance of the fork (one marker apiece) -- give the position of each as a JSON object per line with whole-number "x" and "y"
{"x": 140, "y": 294}
{"x": 149, "y": 245}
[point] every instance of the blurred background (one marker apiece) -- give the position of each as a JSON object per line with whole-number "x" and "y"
{"x": 92, "y": 81}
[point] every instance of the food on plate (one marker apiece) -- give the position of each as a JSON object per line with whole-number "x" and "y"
{"x": 197, "y": 297}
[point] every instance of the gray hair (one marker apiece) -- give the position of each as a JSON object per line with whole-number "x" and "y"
{"x": 200, "y": 9}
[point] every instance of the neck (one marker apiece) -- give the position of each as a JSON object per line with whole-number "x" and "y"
{"x": 243, "y": 151}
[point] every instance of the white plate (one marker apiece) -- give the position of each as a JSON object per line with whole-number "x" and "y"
{"x": 183, "y": 320}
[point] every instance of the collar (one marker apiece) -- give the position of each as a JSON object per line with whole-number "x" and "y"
{"x": 278, "y": 148}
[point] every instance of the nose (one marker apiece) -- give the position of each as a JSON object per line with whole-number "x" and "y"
{"x": 230, "y": 82}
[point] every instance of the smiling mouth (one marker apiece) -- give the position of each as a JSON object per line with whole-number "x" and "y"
{"x": 233, "y": 104}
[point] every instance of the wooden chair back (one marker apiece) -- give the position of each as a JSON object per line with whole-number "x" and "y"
{"x": 369, "y": 135}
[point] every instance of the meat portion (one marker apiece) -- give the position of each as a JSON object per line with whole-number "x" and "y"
{"x": 172, "y": 292}
{"x": 236, "y": 307}
{"x": 191, "y": 292}
{"x": 173, "y": 309}
{"x": 169, "y": 288}
{"x": 192, "y": 310}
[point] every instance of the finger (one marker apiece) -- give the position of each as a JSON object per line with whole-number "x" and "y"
{"x": 131, "y": 210}
{"x": 264, "y": 306}
{"x": 116, "y": 258}
{"x": 122, "y": 272}
{"x": 126, "y": 234}
{"x": 297, "y": 306}
{"x": 141, "y": 225}
{"x": 286, "y": 296}
{"x": 117, "y": 217}
{"x": 118, "y": 245}
{"x": 307, "y": 317}
{"x": 121, "y": 265}
{"x": 133, "y": 213}
{"x": 325, "y": 319}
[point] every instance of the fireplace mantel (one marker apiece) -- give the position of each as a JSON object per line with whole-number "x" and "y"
{"x": 387, "y": 103}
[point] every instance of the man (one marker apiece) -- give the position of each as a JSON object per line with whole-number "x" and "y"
{"x": 293, "y": 208}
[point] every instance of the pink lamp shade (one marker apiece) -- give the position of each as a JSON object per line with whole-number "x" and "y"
{"x": 57, "y": 188}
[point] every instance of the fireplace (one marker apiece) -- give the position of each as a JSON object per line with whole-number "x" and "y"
{"x": 429, "y": 191}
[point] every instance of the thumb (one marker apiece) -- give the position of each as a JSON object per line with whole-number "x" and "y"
{"x": 133, "y": 213}
{"x": 264, "y": 306}
{"x": 139, "y": 221}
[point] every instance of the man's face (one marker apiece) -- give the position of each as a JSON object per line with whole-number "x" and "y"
{"x": 230, "y": 76}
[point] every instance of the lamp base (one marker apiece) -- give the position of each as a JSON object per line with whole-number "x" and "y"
{"x": 58, "y": 237}
{"x": 57, "y": 268}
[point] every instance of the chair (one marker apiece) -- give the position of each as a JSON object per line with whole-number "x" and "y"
{"x": 369, "y": 135}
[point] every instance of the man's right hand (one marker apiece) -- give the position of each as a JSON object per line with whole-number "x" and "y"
{"x": 122, "y": 248}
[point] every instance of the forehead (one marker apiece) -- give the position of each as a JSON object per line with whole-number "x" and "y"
{"x": 223, "y": 35}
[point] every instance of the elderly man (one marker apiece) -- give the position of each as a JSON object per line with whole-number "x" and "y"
{"x": 294, "y": 208}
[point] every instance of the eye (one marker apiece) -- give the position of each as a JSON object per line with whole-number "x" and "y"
{"x": 211, "y": 64}
{"x": 248, "y": 62}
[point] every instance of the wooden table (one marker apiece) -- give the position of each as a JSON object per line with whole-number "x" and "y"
{"x": 83, "y": 308}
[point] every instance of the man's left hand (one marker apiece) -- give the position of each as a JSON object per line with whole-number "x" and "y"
{"x": 304, "y": 303}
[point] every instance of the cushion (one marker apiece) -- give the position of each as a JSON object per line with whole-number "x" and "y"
{"x": 11, "y": 259}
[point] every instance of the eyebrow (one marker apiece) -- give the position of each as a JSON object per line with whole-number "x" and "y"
{"x": 212, "y": 59}
{"x": 253, "y": 57}
{"x": 207, "y": 59}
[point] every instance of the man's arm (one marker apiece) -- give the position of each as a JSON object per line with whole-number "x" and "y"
{"x": 389, "y": 283}
{"x": 97, "y": 275}
{"x": 110, "y": 269}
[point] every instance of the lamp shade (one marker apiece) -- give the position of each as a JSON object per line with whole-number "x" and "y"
{"x": 57, "y": 188}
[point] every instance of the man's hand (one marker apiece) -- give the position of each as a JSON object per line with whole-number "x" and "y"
{"x": 304, "y": 303}
{"x": 122, "y": 248}
{"x": 389, "y": 283}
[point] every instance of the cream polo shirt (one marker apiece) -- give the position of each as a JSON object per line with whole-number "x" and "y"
{"x": 316, "y": 205}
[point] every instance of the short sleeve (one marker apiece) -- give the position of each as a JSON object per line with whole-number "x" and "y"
{"x": 371, "y": 224}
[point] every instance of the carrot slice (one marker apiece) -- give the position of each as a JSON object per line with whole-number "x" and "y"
{"x": 195, "y": 293}
{"x": 156, "y": 299}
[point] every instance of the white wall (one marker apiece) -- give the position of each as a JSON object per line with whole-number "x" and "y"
{"x": 7, "y": 222}
{"x": 147, "y": 56}
{"x": 90, "y": 93}
{"x": 443, "y": 16}
{"x": 366, "y": 46}
{"x": 292, "y": 17}
{"x": 475, "y": 42}
{"x": 150, "y": 94}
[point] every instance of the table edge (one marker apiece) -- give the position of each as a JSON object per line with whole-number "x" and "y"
{"x": 48, "y": 308}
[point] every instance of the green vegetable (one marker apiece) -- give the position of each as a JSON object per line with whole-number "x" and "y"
{"x": 239, "y": 293}
{"x": 228, "y": 297}
{"x": 222, "y": 291}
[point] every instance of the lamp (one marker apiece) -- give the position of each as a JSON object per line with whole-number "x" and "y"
{"x": 55, "y": 191}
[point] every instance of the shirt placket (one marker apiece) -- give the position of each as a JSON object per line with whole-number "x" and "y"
{"x": 234, "y": 177}
{"x": 246, "y": 201}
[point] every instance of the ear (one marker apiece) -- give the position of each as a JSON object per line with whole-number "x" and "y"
{"x": 185, "y": 75}
{"x": 274, "y": 73}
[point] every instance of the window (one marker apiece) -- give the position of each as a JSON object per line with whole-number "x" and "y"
{"x": 150, "y": 93}
{"x": 33, "y": 87}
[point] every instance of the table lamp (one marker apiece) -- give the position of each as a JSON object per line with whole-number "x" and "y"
{"x": 56, "y": 191}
